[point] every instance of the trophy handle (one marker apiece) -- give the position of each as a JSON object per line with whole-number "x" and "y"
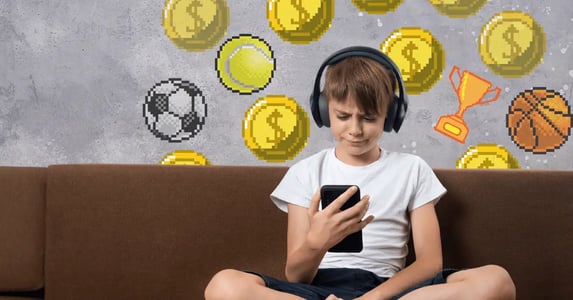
{"x": 497, "y": 90}
{"x": 457, "y": 70}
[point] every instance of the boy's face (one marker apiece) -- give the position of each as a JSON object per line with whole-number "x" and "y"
{"x": 357, "y": 132}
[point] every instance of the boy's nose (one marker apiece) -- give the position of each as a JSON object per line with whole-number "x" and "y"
{"x": 355, "y": 128}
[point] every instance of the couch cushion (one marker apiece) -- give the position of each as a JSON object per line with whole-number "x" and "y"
{"x": 22, "y": 220}
{"x": 144, "y": 232}
{"x": 519, "y": 219}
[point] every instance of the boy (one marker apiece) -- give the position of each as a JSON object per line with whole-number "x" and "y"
{"x": 400, "y": 193}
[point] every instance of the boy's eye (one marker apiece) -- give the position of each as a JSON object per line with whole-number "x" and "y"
{"x": 369, "y": 118}
{"x": 342, "y": 117}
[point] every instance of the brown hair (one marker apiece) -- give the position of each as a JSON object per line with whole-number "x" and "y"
{"x": 371, "y": 84}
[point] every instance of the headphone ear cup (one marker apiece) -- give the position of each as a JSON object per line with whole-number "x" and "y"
{"x": 400, "y": 116}
{"x": 392, "y": 115}
{"x": 323, "y": 109}
{"x": 315, "y": 110}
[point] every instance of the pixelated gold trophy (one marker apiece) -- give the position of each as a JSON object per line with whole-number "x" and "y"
{"x": 471, "y": 91}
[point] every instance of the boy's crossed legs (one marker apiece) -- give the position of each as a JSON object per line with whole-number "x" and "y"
{"x": 487, "y": 282}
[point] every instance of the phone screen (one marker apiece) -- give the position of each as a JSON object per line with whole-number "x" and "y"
{"x": 329, "y": 193}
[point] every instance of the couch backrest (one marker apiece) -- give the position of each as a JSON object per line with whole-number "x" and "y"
{"x": 155, "y": 232}
{"x": 158, "y": 232}
{"x": 22, "y": 228}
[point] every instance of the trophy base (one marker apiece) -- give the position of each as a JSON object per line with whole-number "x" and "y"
{"x": 454, "y": 127}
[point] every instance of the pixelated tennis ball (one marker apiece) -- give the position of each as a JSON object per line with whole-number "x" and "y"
{"x": 245, "y": 64}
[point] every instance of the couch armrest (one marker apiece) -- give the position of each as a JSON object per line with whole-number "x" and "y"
{"x": 22, "y": 228}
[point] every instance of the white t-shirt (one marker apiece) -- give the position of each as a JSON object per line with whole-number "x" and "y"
{"x": 397, "y": 183}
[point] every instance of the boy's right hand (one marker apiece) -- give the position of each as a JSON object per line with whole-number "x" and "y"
{"x": 331, "y": 225}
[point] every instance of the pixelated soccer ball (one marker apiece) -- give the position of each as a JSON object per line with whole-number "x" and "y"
{"x": 175, "y": 110}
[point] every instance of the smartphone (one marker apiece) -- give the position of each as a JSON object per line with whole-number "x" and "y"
{"x": 329, "y": 193}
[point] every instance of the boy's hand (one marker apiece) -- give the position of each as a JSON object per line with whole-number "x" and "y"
{"x": 333, "y": 297}
{"x": 331, "y": 225}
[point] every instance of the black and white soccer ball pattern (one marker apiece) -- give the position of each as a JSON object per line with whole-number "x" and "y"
{"x": 175, "y": 110}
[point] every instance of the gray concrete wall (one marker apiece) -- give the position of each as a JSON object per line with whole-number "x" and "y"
{"x": 74, "y": 76}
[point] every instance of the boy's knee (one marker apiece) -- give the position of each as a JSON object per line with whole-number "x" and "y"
{"x": 221, "y": 285}
{"x": 229, "y": 284}
{"x": 500, "y": 281}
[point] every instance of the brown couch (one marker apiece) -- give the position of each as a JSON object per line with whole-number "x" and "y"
{"x": 158, "y": 232}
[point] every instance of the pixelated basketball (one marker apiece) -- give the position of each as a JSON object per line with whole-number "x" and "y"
{"x": 539, "y": 120}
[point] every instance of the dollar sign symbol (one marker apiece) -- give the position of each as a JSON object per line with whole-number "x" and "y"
{"x": 192, "y": 11}
{"x": 273, "y": 120}
{"x": 408, "y": 53}
{"x": 509, "y": 37}
{"x": 486, "y": 164}
{"x": 303, "y": 15}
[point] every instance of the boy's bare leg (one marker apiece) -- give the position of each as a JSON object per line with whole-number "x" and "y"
{"x": 233, "y": 284}
{"x": 485, "y": 283}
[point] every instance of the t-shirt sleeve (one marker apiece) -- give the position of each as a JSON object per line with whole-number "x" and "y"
{"x": 428, "y": 187}
{"x": 294, "y": 188}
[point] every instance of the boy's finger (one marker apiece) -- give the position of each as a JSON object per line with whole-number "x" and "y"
{"x": 314, "y": 201}
{"x": 354, "y": 227}
{"x": 366, "y": 221}
{"x": 337, "y": 204}
{"x": 358, "y": 211}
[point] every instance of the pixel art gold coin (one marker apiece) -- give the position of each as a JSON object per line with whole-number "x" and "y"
{"x": 195, "y": 25}
{"x": 487, "y": 156}
{"x": 185, "y": 157}
{"x": 298, "y": 21}
{"x": 276, "y": 128}
{"x": 377, "y": 6}
{"x": 512, "y": 44}
{"x": 419, "y": 55}
{"x": 458, "y": 8}
{"x": 245, "y": 64}
{"x": 539, "y": 120}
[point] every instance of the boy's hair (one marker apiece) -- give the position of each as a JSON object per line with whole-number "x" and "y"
{"x": 367, "y": 81}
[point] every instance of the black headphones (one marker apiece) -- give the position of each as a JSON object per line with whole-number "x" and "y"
{"x": 398, "y": 108}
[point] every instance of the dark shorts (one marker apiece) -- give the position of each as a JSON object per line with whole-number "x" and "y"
{"x": 344, "y": 283}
